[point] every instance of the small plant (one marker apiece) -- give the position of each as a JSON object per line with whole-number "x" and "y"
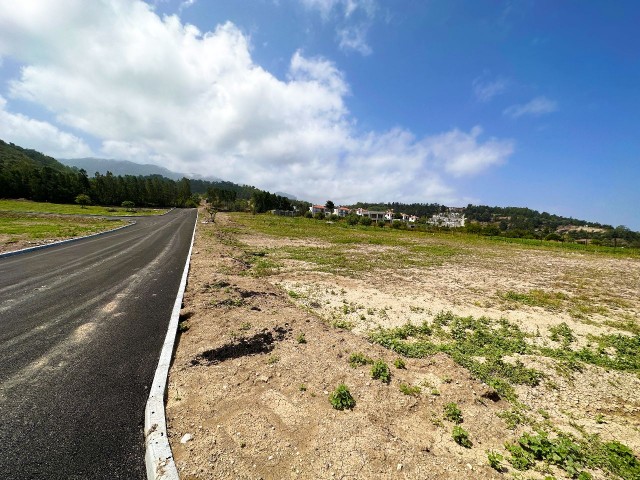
{"x": 544, "y": 414}
{"x": 301, "y": 338}
{"x": 520, "y": 459}
{"x": 341, "y": 398}
{"x": 410, "y": 389}
{"x": 435, "y": 421}
{"x": 245, "y": 326}
{"x": 512, "y": 418}
{"x": 600, "y": 419}
{"x": 399, "y": 363}
{"x": 447, "y": 380}
{"x": 344, "y": 324}
{"x": 380, "y": 371}
{"x": 293, "y": 294}
{"x": 461, "y": 436}
{"x": 495, "y": 460}
{"x": 435, "y": 392}
{"x": 273, "y": 359}
{"x": 232, "y": 302}
{"x": 562, "y": 333}
{"x": 302, "y": 387}
{"x": 356, "y": 359}
{"x": 453, "y": 413}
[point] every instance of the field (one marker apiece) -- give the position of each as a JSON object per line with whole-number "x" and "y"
{"x": 28, "y": 206}
{"x": 24, "y": 223}
{"x": 465, "y": 357}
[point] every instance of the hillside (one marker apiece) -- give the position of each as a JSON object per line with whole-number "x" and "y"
{"x": 15, "y": 157}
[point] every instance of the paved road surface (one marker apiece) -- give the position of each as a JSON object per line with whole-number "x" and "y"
{"x": 81, "y": 328}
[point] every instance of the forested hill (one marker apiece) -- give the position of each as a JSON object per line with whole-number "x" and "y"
{"x": 29, "y": 174}
{"x": 13, "y": 156}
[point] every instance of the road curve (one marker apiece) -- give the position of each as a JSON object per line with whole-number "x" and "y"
{"x": 81, "y": 327}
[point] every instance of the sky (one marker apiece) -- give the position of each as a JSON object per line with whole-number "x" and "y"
{"x": 495, "y": 102}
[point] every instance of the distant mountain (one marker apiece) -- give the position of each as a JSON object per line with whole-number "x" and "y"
{"x": 125, "y": 167}
{"x": 287, "y": 195}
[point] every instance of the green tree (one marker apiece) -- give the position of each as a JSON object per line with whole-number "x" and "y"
{"x": 83, "y": 200}
{"x": 352, "y": 219}
{"x": 128, "y": 204}
{"x": 184, "y": 192}
{"x": 365, "y": 220}
{"x": 329, "y": 206}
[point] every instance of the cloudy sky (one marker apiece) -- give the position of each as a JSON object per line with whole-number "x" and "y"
{"x": 523, "y": 102}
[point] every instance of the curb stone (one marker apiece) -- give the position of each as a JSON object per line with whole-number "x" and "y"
{"x": 158, "y": 456}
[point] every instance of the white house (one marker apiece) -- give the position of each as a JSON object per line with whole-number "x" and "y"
{"x": 318, "y": 209}
{"x": 389, "y": 215}
{"x": 341, "y": 211}
{"x": 372, "y": 214}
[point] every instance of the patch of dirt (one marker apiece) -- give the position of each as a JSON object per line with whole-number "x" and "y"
{"x": 255, "y": 397}
{"x": 9, "y": 243}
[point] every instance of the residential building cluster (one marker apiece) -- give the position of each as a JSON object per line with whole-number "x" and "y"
{"x": 375, "y": 215}
{"x": 450, "y": 219}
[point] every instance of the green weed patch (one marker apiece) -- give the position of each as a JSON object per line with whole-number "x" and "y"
{"x": 481, "y": 345}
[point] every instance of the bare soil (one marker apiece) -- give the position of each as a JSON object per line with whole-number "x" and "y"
{"x": 247, "y": 399}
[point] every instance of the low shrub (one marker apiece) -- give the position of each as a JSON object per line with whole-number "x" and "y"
{"x": 453, "y": 413}
{"x": 380, "y": 371}
{"x": 461, "y": 436}
{"x": 341, "y": 398}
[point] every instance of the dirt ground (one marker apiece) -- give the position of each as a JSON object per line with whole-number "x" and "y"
{"x": 258, "y": 357}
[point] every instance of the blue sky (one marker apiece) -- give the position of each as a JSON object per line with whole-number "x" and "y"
{"x": 510, "y": 103}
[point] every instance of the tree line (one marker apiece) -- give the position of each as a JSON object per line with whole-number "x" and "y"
{"x": 29, "y": 174}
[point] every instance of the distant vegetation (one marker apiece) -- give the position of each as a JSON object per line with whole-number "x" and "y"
{"x": 517, "y": 222}
{"x": 26, "y": 173}
{"x": 29, "y": 174}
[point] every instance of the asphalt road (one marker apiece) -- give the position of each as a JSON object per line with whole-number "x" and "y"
{"x": 81, "y": 328}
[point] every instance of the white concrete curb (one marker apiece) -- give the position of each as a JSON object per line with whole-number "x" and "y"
{"x": 53, "y": 244}
{"x": 158, "y": 456}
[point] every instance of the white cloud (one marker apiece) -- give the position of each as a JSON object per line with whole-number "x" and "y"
{"x": 323, "y": 6}
{"x": 536, "y": 107}
{"x": 155, "y": 90}
{"x": 485, "y": 89}
{"x": 186, "y": 4}
{"x": 461, "y": 154}
{"x": 42, "y": 136}
{"x": 353, "y": 20}
{"x": 354, "y": 39}
{"x": 346, "y": 7}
